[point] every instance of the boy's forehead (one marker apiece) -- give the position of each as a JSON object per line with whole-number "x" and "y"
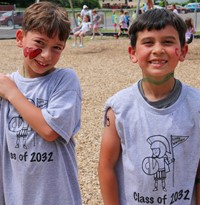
{"x": 166, "y": 31}
{"x": 44, "y": 36}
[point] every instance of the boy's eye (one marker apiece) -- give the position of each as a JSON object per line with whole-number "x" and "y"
{"x": 168, "y": 42}
{"x": 147, "y": 42}
{"x": 58, "y": 48}
{"x": 39, "y": 42}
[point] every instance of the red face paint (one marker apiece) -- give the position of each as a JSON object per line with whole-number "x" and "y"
{"x": 31, "y": 52}
{"x": 26, "y": 51}
{"x": 34, "y": 52}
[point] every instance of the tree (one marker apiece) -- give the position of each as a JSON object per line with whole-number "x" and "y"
{"x": 64, "y": 3}
{"x": 72, "y": 8}
{"x": 24, "y": 3}
{"x": 90, "y": 3}
{"x": 4, "y": 2}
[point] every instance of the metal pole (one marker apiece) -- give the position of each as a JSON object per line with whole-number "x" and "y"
{"x": 195, "y": 17}
{"x": 138, "y": 7}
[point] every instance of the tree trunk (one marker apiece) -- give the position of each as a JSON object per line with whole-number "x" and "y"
{"x": 71, "y": 5}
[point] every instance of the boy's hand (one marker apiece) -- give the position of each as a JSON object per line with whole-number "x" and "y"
{"x": 28, "y": 111}
{"x": 7, "y": 86}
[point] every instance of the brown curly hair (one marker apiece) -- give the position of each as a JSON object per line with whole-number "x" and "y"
{"x": 47, "y": 18}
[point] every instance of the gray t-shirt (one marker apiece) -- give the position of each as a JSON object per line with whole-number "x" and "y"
{"x": 34, "y": 171}
{"x": 160, "y": 147}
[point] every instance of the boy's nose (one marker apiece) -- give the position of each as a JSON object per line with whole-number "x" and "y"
{"x": 46, "y": 54}
{"x": 158, "y": 49}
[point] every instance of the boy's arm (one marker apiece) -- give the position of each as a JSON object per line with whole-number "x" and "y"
{"x": 198, "y": 186}
{"x": 29, "y": 112}
{"x": 109, "y": 155}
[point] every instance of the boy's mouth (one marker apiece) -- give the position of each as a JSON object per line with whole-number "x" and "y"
{"x": 41, "y": 64}
{"x": 158, "y": 62}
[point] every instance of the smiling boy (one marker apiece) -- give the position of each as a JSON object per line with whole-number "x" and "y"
{"x": 152, "y": 126}
{"x": 40, "y": 114}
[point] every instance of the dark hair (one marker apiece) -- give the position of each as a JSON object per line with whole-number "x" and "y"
{"x": 47, "y": 18}
{"x": 88, "y": 17}
{"x": 189, "y": 22}
{"x": 157, "y": 19}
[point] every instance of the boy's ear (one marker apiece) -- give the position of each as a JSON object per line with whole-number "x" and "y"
{"x": 184, "y": 51}
{"x": 132, "y": 54}
{"x": 19, "y": 37}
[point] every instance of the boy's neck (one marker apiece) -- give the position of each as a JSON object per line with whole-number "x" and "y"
{"x": 155, "y": 92}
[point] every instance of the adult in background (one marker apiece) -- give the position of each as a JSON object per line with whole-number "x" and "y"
{"x": 85, "y": 11}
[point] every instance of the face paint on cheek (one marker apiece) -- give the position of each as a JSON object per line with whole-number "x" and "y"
{"x": 177, "y": 52}
{"x": 26, "y": 51}
{"x": 31, "y": 52}
{"x": 34, "y": 52}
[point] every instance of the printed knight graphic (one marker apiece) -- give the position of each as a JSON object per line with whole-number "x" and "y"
{"x": 21, "y": 128}
{"x": 162, "y": 160}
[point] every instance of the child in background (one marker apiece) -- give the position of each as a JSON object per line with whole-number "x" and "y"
{"x": 96, "y": 20}
{"x": 123, "y": 27}
{"x": 174, "y": 9}
{"x": 127, "y": 18}
{"x": 79, "y": 19}
{"x": 114, "y": 20}
{"x": 150, "y": 4}
{"x": 82, "y": 30}
{"x": 40, "y": 114}
{"x": 190, "y": 30}
{"x": 150, "y": 142}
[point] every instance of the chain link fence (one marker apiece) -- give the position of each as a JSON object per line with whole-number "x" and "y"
{"x": 107, "y": 17}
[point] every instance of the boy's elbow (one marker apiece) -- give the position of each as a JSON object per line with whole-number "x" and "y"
{"x": 50, "y": 135}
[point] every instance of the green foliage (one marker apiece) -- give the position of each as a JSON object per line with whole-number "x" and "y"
{"x": 162, "y": 3}
{"x": 8, "y": 2}
{"x": 4, "y": 3}
{"x": 65, "y": 3}
{"x": 60, "y": 2}
{"x": 24, "y": 3}
{"x": 76, "y": 3}
{"x": 91, "y": 3}
{"x": 79, "y": 3}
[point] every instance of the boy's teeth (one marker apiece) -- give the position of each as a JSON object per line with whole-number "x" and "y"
{"x": 157, "y": 62}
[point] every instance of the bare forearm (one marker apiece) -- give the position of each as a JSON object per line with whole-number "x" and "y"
{"x": 109, "y": 186}
{"x": 32, "y": 115}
